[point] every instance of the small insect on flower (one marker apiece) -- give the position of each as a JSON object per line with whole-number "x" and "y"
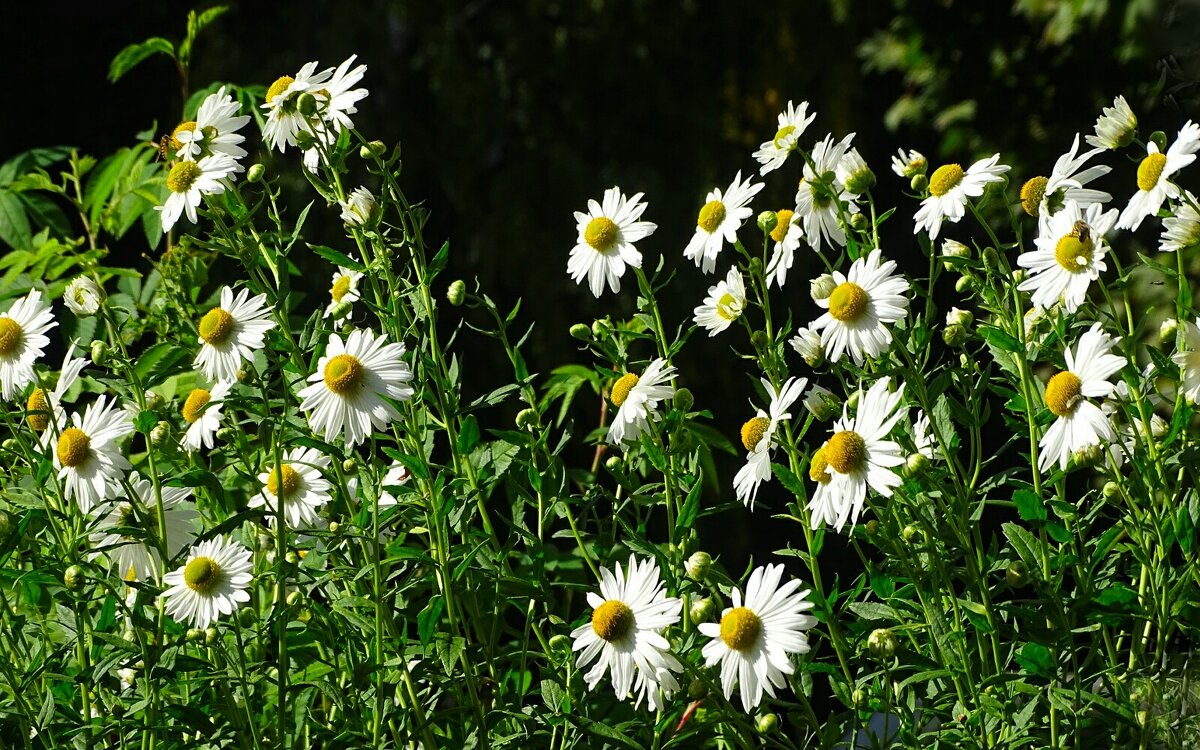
{"x": 210, "y": 584}
{"x": 605, "y": 240}
{"x": 1079, "y": 423}
{"x": 22, "y": 340}
{"x": 1069, "y": 255}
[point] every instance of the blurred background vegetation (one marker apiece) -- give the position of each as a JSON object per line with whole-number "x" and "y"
{"x": 513, "y": 113}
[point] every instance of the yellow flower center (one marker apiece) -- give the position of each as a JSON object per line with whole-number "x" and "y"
{"x": 343, "y": 374}
{"x": 944, "y": 179}
{"x": 195, "y": 402}
{"x": 711, "y": 216}
{"x": 73, "y": 447}
{"x": 621, "y": 388}
{"x": 182, "y": 176}
{"x": 10, "y": 336}
{"x": 740, "y": 628}
{"x": 782, "y": 133}
{"x": 612, "y": 620}
{"x": 782, "y": 225}
{"x": 183, "y": 127}
{"x": 753, "y": 431}
{"x": 728, "y": 307}
{"x": 279, "y": 86}
{"x": 1150, "y": 170}
{"x": 1074, "y": 251}
{"x": 290, "y": 482}
{"x": 1032, "y": 193}
{"x": 202, "y": 574}
{"x": 601, "y": 233}
{"x": 216, "y": 326}
{"x": 1063, "y": 393}
{"x": 847, "y": 302}
{"x": 817, "y": 467}
{"x": 38, "y": 403}
{"x": 846, "y": 451}
{"x": 340, "y": 287}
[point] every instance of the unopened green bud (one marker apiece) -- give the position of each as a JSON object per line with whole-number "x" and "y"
{"x": 293, "y": 597}
{"x": 684, "y": 399}
{"x": 99, "y": 352}
{"x": 373, "y": 150}
{"x": 527, "y": 418}
{"x": 758, "y": 339}
{"x": 153, "y": 400}
{"x": 246, "y": 616}
{"x": 160, "y": 433}
{"x": 10, "y": 444}
{"x": 698, "y": 565}
{"x": 581, "y": 332}
{"x": 766, "y": 723}
{"x": 457, "y": 292}
{"x": 291, "y": 557}
{"x": 1111, "y": 490}
{"x": 5, "y": 524}
{"x": 882, "y": 643}
{"x": 702, "y": 610}
{"x": 872, "y": 527}
{"x": 560, "y": 644}
{"x": 919, "y": 183}
{"x": 957, "y": 317}
{"x": 954, "y": 335}
{"x": 307, "y": 103}
{"x": 991, "y": 258}
{"x": 915, "y": 465}
{"x": 964, "y": 284}
{"x": 755, "y": 266}
{"x": 74, "y": 578}
{"x": 334, "y": 527}
{"x": 821, "y": 287}
{"x": 349, "y": 466}
{"x": 852, "y": 400}
{"x": 1017, "y": 574}
{"x": 859, "y": 699}
{"x": 910, "y": 533}
{"x": 341, "y": 309}
{"x": 601, "y": 328}
{"x": 1159, "y": 138}
{"x": 613, "y": 463}
{"x": 954, "y": 249}
{"x": 195, "y": 635}
{"x": 1088, "y": 456}
{"x": 226, "y": 434}
{"x": 255, "y": 173}
{"x": 1018, "y": 275}
{"x": 767, "y": 221}
{"x": 860, "y": 221}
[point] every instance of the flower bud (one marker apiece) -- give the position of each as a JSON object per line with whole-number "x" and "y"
{"x": 601, "y": 328}
{"x": 306, "y": 104}
{"x": 954, "y": 335}
{"x": 83, "y": 296}
{"x": 882, "y": 643}
{"x": 293, "y": 597}
{"x": 852, "y": 400}
{"x": 807, "y": 344}
{"x": 859, "y": 699}
{"x": 581, "y": 332}
{"x": 74, "y": 578}
{"x": 10, "y": 444}
{"x": 5, "y": 524}
{"x": 153, "y": 400}
{"x": 954, "y": 249}
{"x": 373, "y": 150}
{"x": 226, "y": 434}
{"x": 910, "y": 533}
{"x": 1158, "y": 426}
{"x": 334, "y": 527}
{"x": 1166, "y": 331}
{"x": 821, "y": 402}
{"x": 964, "y": 284}
{"x": 613, "y": 463}
{"x": 341, "y": 309}
{"x": 755, "y": 267}
{"x": 872, "y": 527}
{"x": 702, "y": 610}
{"x": 99, "y": 352}
{"x": 527, "y": 419}
{"x": 1017, "y": 574}
{"x": 246, "y": 616}
{"x": 560, "y": 644}
{"x": 991, "y": 258}
{"x": 821, "y": 287}
{"x": 349, "y": 466}
{"x": 291, "y": 557}
{"x": 1111, "y": 490}
{"x": 919, "y": 183}
{"x": 698, "y": 565}
{"x": 195, "y": 635}
{"x": 1018, "y": 275}
{"x": 255, "y": 173}
{"x": 766, "y": 723}
{"x": 915, "y": 465}
{"x": 457, "y": 292}
{"x": 767, "y": 221}
{"x": 959, "y": 317}
{"x": 860, "y": 222}
{"x": 684, "y": 399}
{"x": 759, "y": 339}
{"x": 160, "y": 433}
{"x": 1088, "y": 456}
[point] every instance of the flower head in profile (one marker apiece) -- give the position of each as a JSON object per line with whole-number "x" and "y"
{"x": 604, "y": 245}
{"x": 214, "y": 131}
{"x": 909, "y": 163}
{"x": 624, "y": 636}
{"x": 360, "y": 208}
{"x": 756, "y": 637}
{"x": 858, "y": 455}
{"x": 854, "y": 174}
{"x": 202, "y": 412}
{"x": 949, "y": 190}
{"x": 792, "y": 123}
{"x": 189, "y": 181}
{"x": 1045, "y": 196}
{"x": 860, "y": 308}
{"x": 719, "y": 219}
{"x": 786, "y": 236}
{"x": 723, "y": 305}
{"x": 285, "y": 121}
{"x": 758, "y": 437}
{"x": 343, "y": 290}
{"x": 1188, "y": 359}
{"x": 88, "y": 460}
{"x": 350, "y": 391}
{"x": 45, "y": 413}
{"x": 1181, "y": 230}
{"x": 231, "y": 333}
{"x": 1079, "y": 423}
{"x": 22, "y": 340}
{"x": 821, "y": 198}
{"x": 1154, "y": 173}
{"x": 636, "y": 398}
{"x": 210, "y": 584}
{"x": 83, "y": 296}
{"x": 129, "y": 533}
{"x": 923, "y": 438}
{"x": 807, "y": 343}
{"x": 1115, "y": 127}
{"x": 295, "y": 489}
{"x": 1069, "y": 255}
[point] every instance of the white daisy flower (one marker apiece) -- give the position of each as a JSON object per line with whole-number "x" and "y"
{"x": 348, "y": 391}
{"x": 83, "y": 296}
{"x": 606, "y": 234}
{"x": 231, "y": 332}
{"x": 786, "y": 235}
{"x": 1043, "y": 196}
{"x": 1154, "y": 185}
{"x": 1115, "y": 127}
{"x": 202, "y": 411}
{"x": 1181, "y": 230}
{"x": 624, "y": 637}
{"x": 821, "y": 198}
{"x": 860, "y": 309}
{"x": 136, "y": 558}
{"x": 212, "y": 583}
{"x": 636, "y": 398}
{"x": 758, "y": 437}
{"x": 41, "y": 404}
{"x": 950, "y": 188}
{"x": 908, "y": 164}
{"x": 755, "y": 639}
{"x": 343, "y": 290}
{"x": 792, "y": 123}
{"x": 22, "y": 340}
{"x": 1079, "y": 423}
{"x": 723, "y": 305}
{"x": 214, "y": 131}
{"x": 858, "y": 455}
{"x": 719, "y": 220}
{"x": 359, "y": 208}
{"x": 336, "y": 100}
{"x": 87, "y": 457}
{"x": 1069, "y": 255}
{"x": 297, "y": 485}
{"x": 189, "y": 181}
{"x": 1188, "y": 360}
{"x": 284, "y": 119}
{"x": 807, "y": 343}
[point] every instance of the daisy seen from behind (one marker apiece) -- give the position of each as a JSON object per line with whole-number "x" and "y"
{"x": 349, "y": 392}
{"x": 792, "y": 123}
{"x": 1115, "y": 127}
{"x": 624, "y": 636}
{"x": 756, "y": 637}
{"x": 202, "y": 412}
{"x": 860, "y": 308}
{"x": 1079, "y": 423}
{"x": 1069, "y": 255}
{"x": 1154, "y": 173}
{"x": 295, "y": 490}
{"x": 636, "y": 398}
{"x": 214, "y": 131}
{"x": 22, "y": 340}
{"x": 87, "y": 456}
{"x": 718, "y": 221}
{"x": 189, "y": 181}
{"x": 821, "y": 198}
{"x": 359, "y": 208}
{"x": 723, "y": 305}
{"x": 604, "y": 245}
{"x": 1044, "y": 196}
{"x": 858, "y": 455}
{"x": 758, "y": 437}
{"x": 1182, "y": 229}
{"x": 949, "y": 190}
{"x": 210, "y": 584}
{"x": 136, "y": 558}
{"x": 231, "y": 333}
